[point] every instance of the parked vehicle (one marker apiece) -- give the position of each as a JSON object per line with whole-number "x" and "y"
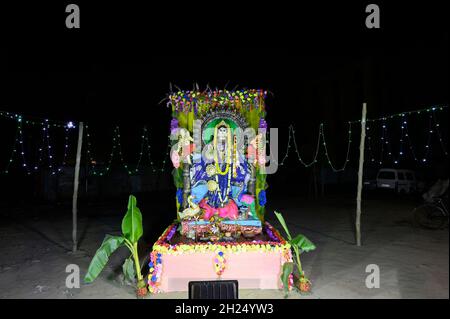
{"x": 370, "y": 179}
{"x": 399, "y": 180}
{"x": 370, "y": 184}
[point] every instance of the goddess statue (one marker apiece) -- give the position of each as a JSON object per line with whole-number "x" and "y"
{"x": 219, "y": 178}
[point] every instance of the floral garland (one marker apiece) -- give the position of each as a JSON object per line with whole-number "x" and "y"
{"x": 275, "y": 244}
{"x": 155, "y": 271}
{"x": 186, "y": 101}
{"x": 219, "y": 263}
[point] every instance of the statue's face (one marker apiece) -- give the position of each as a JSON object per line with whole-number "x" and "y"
{"x": 222, "y": 133}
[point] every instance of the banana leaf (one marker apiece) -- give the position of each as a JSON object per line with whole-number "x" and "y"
{"x": 177, "y": 174}
{"x": 101, "y": 257}
{"x": 288, "y": 268}
{"x": 261, "y": 180}
{"x": 128, "y": 269}
{"x": 132, "y": 222}
{"x": 283, "y": 223}
{"x": 303, "y": 243}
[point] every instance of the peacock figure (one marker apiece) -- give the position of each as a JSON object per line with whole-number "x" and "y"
{"x": 192, "y": 211}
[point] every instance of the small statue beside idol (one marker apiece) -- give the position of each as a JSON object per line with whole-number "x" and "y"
{"x": 227, "y": 236}
{"x": 191, "y": 234}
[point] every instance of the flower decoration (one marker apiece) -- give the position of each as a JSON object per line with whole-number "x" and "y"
{"x": 219, "y": 263}
{"x": 173, "y": 126}
{"x": 271, "y": 234}
{"x": 246, "y": 198}
{"x": 262, "y": 198}
{"x": 196, "y": 101}
{"x": 180, "y": 196}
{"x": 155, "y": 270}
{"x": 262, "y": 123}
{"x": 175, "y": 158}
{"x": 276, "y": 242}
{"x": 210, "y": 170}
{"x": 171, "y": 233}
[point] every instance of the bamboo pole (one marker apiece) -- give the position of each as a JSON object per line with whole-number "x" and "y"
{"x": 360, "y": 175}
{"x": 75, "y": 187}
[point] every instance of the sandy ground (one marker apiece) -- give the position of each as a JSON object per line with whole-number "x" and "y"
{"x": 414, "y": 263}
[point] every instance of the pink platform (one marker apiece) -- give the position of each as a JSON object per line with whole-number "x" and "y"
{"x": 253, "y": 270}
{"x": 255, "y": 264}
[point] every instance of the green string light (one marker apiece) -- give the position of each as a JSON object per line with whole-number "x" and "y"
{"x": 349, "y": 142}
{"x": 117, "y": 147}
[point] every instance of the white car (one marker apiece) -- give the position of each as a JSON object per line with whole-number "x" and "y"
{"x": 400, "y": 180}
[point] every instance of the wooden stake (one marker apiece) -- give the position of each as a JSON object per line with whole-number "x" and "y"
{"x": 75, "y": 188}
{"x": 360, "y": 175}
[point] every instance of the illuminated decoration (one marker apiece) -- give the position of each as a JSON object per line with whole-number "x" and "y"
{"x": 144, "y": 143}
{"x": 222, "y": 114}
{"x": 438, "y": 133}
{"x": 200, "y": 102}
{"x": 40, "y": 151}
{"x": 14, "y": 149}
{"x": 19, "y": 145}
{"x": 243, "y": 100}
{"x": 300, "y": 159}
{"x": 30, "y": 121}
{"x": 369, "y": 145}
{"x": 66, "y": 147}
{"x": 22, "y": 148}
{"x": 320, "y": 137}
{"x": 89, "y": 150}
{"x": 402, "y": 114}
{"x": 225, "y": 236}
{"x": 384, "y": 141}
{"x": 349, "y": 142}
{"x": 411, "y": 147}
{"x": 387, "y": 154}
{"x": 117, "y": 148}
{"x": 49, "y": 147}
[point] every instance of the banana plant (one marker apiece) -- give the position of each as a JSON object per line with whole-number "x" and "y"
{"x": 299, "y": 244}
{"x": 131, "y": 233}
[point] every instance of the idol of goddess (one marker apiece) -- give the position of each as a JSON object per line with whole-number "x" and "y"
{"x": 219, "y": 179}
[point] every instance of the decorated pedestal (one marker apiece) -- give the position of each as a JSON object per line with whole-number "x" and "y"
{"x": 256, "y": 264}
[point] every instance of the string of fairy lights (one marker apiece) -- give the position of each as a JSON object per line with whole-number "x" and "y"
{"x": 117, "y": 147}
{"x": 320, "y": 137}
{"x": 387, "y": 155}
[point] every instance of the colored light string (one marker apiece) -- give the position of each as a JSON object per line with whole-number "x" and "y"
{"x": 320, "y": 137}
{"x": 349, "y": 142}
{"x": 291, "y": 137}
